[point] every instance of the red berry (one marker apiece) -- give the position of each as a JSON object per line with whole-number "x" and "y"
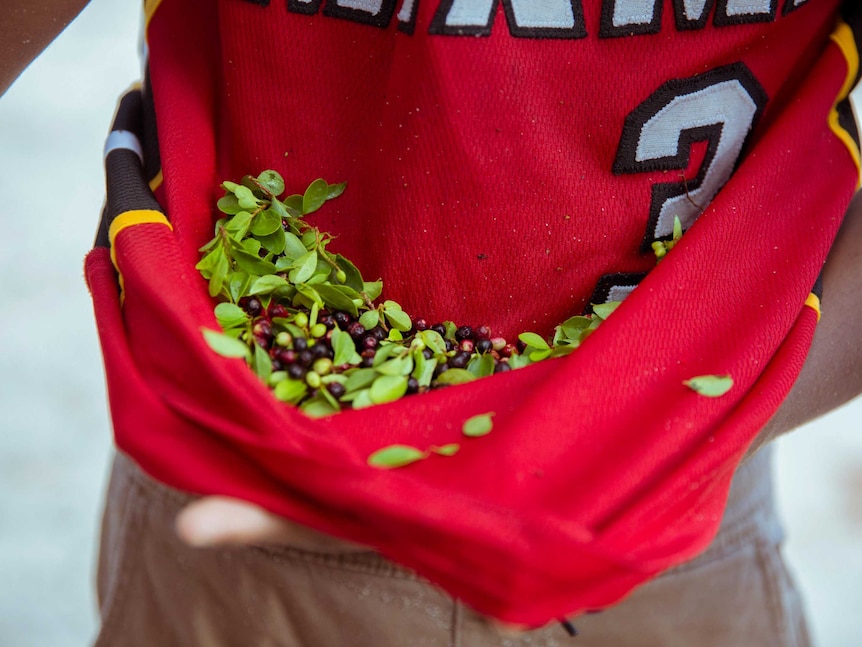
{"x": 278, "y": 310}
{"x": 482, "y": 332}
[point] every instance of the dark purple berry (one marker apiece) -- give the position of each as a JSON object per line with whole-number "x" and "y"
{"x": 327, "y": 320}
{"x": 483, "y": 345}
{"x": 342, "y": 319}
{"x": 277, "y": 365}
{"x": 304, "y": 358}
{"x": 296, "y": 371}
{"x": 420, "y": 324}
{"x": 440, "y": 329}
{"x": 464, "y": 332}
{"x": 520, "y": 345}
{"x": 441, "y": 368}
{"x": 356, "y": 330}
{"x": 300, "y": 343}
{"x": 460, "y": 360}
{"x": 253, "y": 306}
{"x": 368, "y": 342}
{"x": 367, "y": 362}
{"x": 412, "y": 385}
{"x": 320, "y": 350}
{"x": 427, "y": 353}
{"x": 378, "y": 332}
{"x": 502, "y": 367}
{"x": 450, "y": 345}
{"x": 336, "y": 389}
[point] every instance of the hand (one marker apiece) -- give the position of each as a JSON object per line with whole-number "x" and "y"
{"x": 223, "y": 521}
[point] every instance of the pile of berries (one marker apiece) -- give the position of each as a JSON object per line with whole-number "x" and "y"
{"x": 310, "y": 326}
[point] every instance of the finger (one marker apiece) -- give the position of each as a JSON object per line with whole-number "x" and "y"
{"x": 223, "y": 521}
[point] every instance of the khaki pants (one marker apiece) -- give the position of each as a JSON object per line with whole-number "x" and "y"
{"x": 155, "y": 591}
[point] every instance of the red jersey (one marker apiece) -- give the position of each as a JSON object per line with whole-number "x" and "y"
{"x": 508, "y": 163}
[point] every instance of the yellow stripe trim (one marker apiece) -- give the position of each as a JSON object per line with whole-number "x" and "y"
{"x": 150, "y": 7}
{"x": 843, "y": 38}
{"x": 129, "y": 219}
{"x": 813, "y": 302}
{"x": 156, "y": 182}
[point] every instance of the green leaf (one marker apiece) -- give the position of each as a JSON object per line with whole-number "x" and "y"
{"x": 318, "y": 407}
{"x": 252, "y": 263}
{"x": 605, "y": 310}
{"x": 533, "y": 340}
{"x": 352, "y": 276}
{"x": 335, "y": 190}
{"x": 396, "y": 456}
{"x": 290, "y": 390}
{"x": 519, "y": 361}
{"x": 362, "y": 399}
{"x": 360, "y": 378}
{"x": 396, "y": 366}
{"x": 220, "y": 271}
{"x": 262, "y": 363}
{"x": 294, "y": 203}
{"x": 539, "y": 355}
{"x": 229, "y": 204}
{"x": 229, "y": 315}
{"x": 480, "y": 425}
{"x": 424, "y": 368}
{"x": 311, "y": 297}
{"x": 293, "y": 247}
{"x": 446, "y": 450}
{"x": 398, "y": 318}
{"x": 335, "y": 299}
{"x": 369, "y": 319}
{"x": 304, "y": 267}
{"x": 711, "y": 386}
{"x": 267, "y": 284}
{"x": 225, "y": 345}
{"x": 238, "y": 283}
{"x": 274, "y": 243}
{"x": 279, "y": 207}
{"x": 455, "y": 376}
{"x": 482, "y": 366}
{"x": 239, "y": 224}
{"x": 434, "y": 341}
{"x": 245, "y": 198}
{"x": 272, "y": 182}
{"x": 344, "y": 349}
{"x": 388, "y": 388}
{"x": 372, "y": 289}
{"x": 265, "y": 223}
{"x": 249, "y": 245}
{"x": 229, "y": 186}
{"x": 315, "y": 195}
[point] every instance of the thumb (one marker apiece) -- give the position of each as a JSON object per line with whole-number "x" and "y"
{"x": 224, "y": 521}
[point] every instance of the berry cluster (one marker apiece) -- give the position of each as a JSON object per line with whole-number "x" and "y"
{"x": 309, "y": 325}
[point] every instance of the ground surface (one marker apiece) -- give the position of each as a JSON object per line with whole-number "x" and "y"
{"x": 54, "y": 437}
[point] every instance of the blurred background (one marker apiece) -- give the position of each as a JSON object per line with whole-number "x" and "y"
{"x": 54, "y": 433}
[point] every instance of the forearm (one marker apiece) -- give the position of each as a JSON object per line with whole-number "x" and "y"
{"x": 832, "y": 374}
{"x": 28, "y": 27}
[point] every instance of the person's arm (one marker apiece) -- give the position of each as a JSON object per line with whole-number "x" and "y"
{"x": 28, "y": 27}
{"x": 832, "y": 374}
